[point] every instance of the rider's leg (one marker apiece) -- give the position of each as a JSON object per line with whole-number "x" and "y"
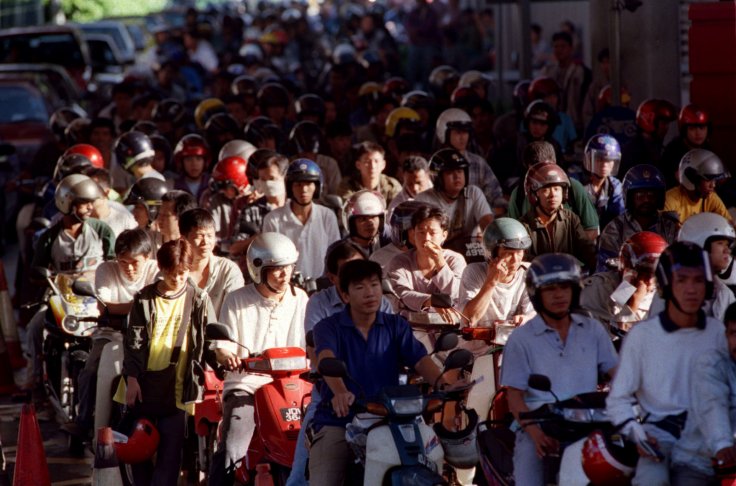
{"x": 301, "y": 454}
{"x": 329, "y": 457}
{"x": 238, "y": 425}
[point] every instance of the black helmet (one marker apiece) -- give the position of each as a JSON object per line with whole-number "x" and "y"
{"x": 77, "y": 131}
{"x": 443, "y": 80}
{"x": 272, "y": 95}
{"x": 161, "y": 144}
{"x": 70, "y": 163}
{"x": 132, "y": 148}
{"x": 145, "y": 126}
{"x": 261, "y": 128}
{"x": 310, "y": 105}
{"x": 344, "y": 54}
{"x": 447, "y": 159}
{"x": 219, "y": 125}
{"x": 682, "y": 254}
{"x": 306, "y": 136}
{"x": 148, "y": 191}
{"x": 543, "y": 112}
{"x": 169, "y": 110}
{"x": 549, "y": 269}
{"x": 244, "y": 86}
{"x": 640, "y": 178}
{"x": 304, "y": 170}
{"x": 418, "y": 99}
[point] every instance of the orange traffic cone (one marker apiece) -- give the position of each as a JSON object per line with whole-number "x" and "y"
{"x": 106, "y": 470}
{"x": 30, "y": 460}
{"x": 8, "y": 325}
{"x": 7, "y": 384}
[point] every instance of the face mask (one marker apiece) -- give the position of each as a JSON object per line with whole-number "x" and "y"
{"x": 270, "y": 188}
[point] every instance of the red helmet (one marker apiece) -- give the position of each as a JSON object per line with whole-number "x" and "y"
{"x": 692, "y": 115}
{"x": 543, "y": 87}
{"x": 642, "y": 251}
{"x": 140, "y": 446}
{"x": 464, "y": 96}
{"x": 609, "y": 460}
{"x": 605, "y": 97}
{"x": 189, "y": 145}
{"x": 231, "y": 171}
{"x": 89, "y": 151}
{"x": 545, "y": 174}
{"x": 396, "y": 87}
{"x": 652, "y": 110}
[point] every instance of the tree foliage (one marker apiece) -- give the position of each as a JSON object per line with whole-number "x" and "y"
{"x": 85, "y": 10}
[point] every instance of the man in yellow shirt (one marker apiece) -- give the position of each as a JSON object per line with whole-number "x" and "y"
{"x": 699, "y": 172}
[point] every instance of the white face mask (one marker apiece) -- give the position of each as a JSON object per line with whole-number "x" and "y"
{"x": 270, "y": 188}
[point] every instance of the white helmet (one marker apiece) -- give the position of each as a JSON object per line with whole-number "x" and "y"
{"x": 472, "y": 78}
{"x": 703, "y": 228}
{"x": 364, "y": 203}
{"x": 452, "y": 118}
{"x": 73, "y": 188}
{"x": 700, "y": 164}
{"x": 269, "y": 250}
{"x": 237, "y": 148}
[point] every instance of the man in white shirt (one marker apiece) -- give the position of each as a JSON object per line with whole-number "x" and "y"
{"x": 657, "y": 358}
{"x": 278, "y": 309}
{"x": 310, "y": 226}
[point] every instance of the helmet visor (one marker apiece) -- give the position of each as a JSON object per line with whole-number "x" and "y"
{"x": 604, "y": 163}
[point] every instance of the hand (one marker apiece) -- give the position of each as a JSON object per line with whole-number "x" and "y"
{"x": 543, "y": 443}
{"x": 498, "y": 270}
{"x": 227, "y": 359}
{"x": 449, "y": 315}
{"x": 647, "y": 453}
{"x": 133, "y": 392}
{"x": 341, "y": 403}
{"x": 518, "y": 319}
{"x": 726, "y": 456}
{"x": 435, "y": 254}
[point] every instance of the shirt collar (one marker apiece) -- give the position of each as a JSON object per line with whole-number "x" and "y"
{"x": 669, "y": 325}
{"x": 346, "y": 319}
{"x": 540, "y": 327}
{"x": 333, "y": 297}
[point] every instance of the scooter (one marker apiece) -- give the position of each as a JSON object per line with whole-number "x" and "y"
{"x": 389, "y": 435}
{"x": 278, "y": 409}
{"x": 207, "y": 417}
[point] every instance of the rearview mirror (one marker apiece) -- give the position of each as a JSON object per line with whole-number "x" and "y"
{"x": 42, "y": 272}
{"x": 459, "y": 358}
{"x": 84, "y": 288}
{"x": 540, "y": 382}
{"x": 217, "y": 331}
{"x": 332, "y": 368}
{"x": 446, "y": 342}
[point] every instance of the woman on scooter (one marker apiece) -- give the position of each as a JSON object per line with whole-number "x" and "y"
{"x": 165, "y": 336}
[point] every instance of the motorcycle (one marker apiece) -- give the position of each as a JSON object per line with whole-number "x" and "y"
{"x": 389, "y": 435}
{"x": 278, "y": 409}
{"x": 207, "y": 416}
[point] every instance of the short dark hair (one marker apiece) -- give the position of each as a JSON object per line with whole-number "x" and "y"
{"x": 133, "y": 242}
{"x": 367, "y": 147}
{"x": 183, "y": 201}
{"x": 358, "y": 270}
{"x": 102, "y": 122}
{"x": 536, "y": 28}
{"x": 279, "y": 161}
{"x": 415, "y": 163}
{"x": 338, "y": 128}
{"x": 195, "y": 218}
{"x": 538, "y": 151}
{"x": 430, "y": 212}
{"x": 175, "y": 255}
{"x": 563, "y": 36}
{"x": 341, "y": 250}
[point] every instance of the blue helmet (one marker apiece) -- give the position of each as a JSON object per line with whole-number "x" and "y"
{"x": 602, "y": 148}
{"x": 304, "y": 170}
{"x": 644, "y": 177}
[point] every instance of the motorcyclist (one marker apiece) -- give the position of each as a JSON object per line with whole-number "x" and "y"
{"x": 363, "y": 217}
{"x": 192, "y": 161}
{"x": 134, "y": 153}
{"x": 370, "y": 164}
{"x": 695, "y": 129}
{"x": 569, "y": 348}
{"x": 307, "y": 142}
{"x": 653, "y": 118}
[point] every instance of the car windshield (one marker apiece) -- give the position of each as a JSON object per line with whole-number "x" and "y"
{"x": 21, "y": 104}
{"x": 101, "y": 53}
{"x": 112, "y": 31}
{"x": 62, "y": 48}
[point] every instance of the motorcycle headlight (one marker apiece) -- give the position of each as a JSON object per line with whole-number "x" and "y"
{"x": 70, "y": 323}
{"x": 584, "y": 415}
{"x": 407, "y": 406}
{"x": 285, "y": 364}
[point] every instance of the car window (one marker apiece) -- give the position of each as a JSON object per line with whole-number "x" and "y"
{"x": 20, "y": 104}
{"x": 62, "y": 48}
{"x": 100, "y": 53}
{"x": 113, "y": 32}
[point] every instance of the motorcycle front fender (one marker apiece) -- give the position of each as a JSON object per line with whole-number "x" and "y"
{"x": 412, "y": 476}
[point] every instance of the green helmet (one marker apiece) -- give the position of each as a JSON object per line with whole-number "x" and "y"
{"x": 505, "y": 232}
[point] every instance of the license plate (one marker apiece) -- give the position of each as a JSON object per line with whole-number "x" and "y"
{"x": 293, "y": 414}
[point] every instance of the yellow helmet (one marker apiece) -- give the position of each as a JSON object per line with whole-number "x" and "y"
{"x": 370, "y": 88}
{"x": 398, "y": 115}
{"x": 205, "y": 109}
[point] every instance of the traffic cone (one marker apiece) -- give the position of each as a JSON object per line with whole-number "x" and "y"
{"x": 8, "y": 325}
{"x": 30, "y": 460}
{"x": 7, "y": 384}
{"x": 106, "y": 471}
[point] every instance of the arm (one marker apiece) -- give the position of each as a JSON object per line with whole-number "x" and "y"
{"x": 226, "y": 353}
{"x": 402, "y": 283}
{"x": 477, "y": 306}
{"x": 447, "y": 279}
{"x": 626, "y": 382}
{"x": 343, "y": 398}
{"x": 517, "y": 405}
{"x": 711, "y": 409}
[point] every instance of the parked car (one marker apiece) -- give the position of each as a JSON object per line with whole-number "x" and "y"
{"x": 119, "y": 34}
{"x": 52, "y": 80}
{"x": 24, "y": 118}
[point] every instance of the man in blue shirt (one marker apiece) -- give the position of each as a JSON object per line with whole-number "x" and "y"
{"x": 374, "y": 346}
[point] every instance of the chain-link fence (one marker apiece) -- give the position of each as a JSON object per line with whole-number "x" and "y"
{"x": 18, "y": 13}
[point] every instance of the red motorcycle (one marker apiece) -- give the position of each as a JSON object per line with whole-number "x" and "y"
{"x": 279, "y": 406}
{"x": 207, "y": 416}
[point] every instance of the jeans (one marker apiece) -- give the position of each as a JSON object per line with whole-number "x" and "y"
{"x": 238, "y": 426}
{"x": 301, "y": 454}
{"x": 168, "y": 456}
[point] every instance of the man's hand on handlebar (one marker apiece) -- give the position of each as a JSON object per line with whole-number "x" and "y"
{"x": 227, "y": 359}
{"x": 341, "y": 403}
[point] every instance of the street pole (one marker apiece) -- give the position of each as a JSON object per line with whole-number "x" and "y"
{"x": 614, "y": 39}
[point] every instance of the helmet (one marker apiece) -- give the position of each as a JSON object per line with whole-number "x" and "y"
{"x": 442, "y": 80}
{"x": 363, "y": 203}
{"x": 473, "y": 78}
{"x": 396, "y": 87}
{"x": 344, "y": 54}
{"x": 255, "y": 160}
{"x": 543, "y": 112}
{"x": 371, "y": 90}
{"x": 70, "y": 163}
{"x": 506, "y": 233}
{"x": 460, "y": 446}
{"x": 399, "y": 117}
{"x": 521, "y": 94}
{"x": 692, "y": 115}
{"x": 147, "y": 191}
{"x": 601, "y": 148}
{"x": 608, "y": 459}
{"x": 452, "y": 119}
{"x": 309, "y": 105}
{"x": 269, "y": 250}
{"x": 303, "y": 170}
{"x": 700, "y": 164}
{"x": 132, "y": 148}
{"x": 272, "y": 95}
{"x": 464, "y": 97}
{"x": 642, "y": 251}
{"x": 251, "y": 54}
{"x": 230, "y": 171}
{"x": 544, "y": 174}
{"x": 682, "y": 254}
{"x": 605, "y": 97}
{"x": 75, "y": 187}
{"x": 205, "y": 109}
{"x": 306, "y": 136}
{"x": 191, "y": 145}
{"x": 244, "y": 85}
{"x": 447, "y": 159}
{"x": 61, "y": 119}
{"x": 76, "y": 131}
{"x": 140, "y": 446}
{"x": 237, "y": 148}
{"x": 542, "y": 87}
{"x": 643, "y": 177}
{"x": 400, "y": 222}
{"x": 261, "y": 128}
{"x": 549, "y": 269}
{"x": 651, "y": 111}
{"x": 417, "y": 99}
{"x": 145, "y": 126}
{"x": 169, "y": 110}
{"x": 704, "y": 228}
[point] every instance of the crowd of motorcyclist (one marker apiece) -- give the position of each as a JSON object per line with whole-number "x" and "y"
{"x": 249, "y": 184}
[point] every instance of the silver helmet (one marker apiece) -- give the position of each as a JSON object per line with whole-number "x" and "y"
{"x": 73, "y": 188}
{"x": 269, "y": 250}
